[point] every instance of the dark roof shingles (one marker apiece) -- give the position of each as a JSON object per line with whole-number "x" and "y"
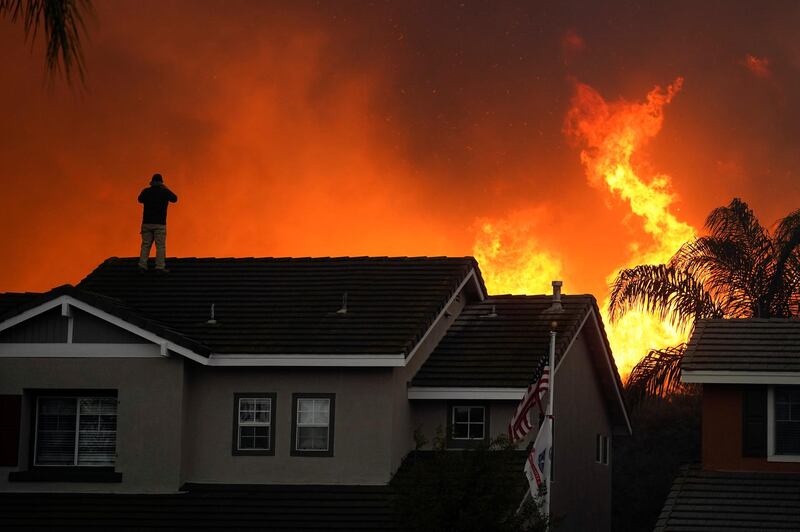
{"x": 214, "y": 507}
{"x": 711, "y": 500}
{"x": 505, "y": 350}
{"x": 744, "y": 345}
{"x": 288, "y": 306}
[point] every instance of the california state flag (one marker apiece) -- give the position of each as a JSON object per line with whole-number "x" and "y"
{"x": 537, "y": 466}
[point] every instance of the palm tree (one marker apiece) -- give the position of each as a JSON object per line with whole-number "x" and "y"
{"x": 739, "y": 270}
{"x": 63, "y": 24}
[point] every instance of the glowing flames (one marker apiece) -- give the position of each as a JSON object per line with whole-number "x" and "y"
{"x": 511, "y": 258}
{"x": 610, "y": 134}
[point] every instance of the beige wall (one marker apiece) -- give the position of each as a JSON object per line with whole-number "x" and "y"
{"x": 362, "y": 431}
{"x": 581, "y": 490}
{"x": 148, "y": 424}
{"x": 430, "y": 415}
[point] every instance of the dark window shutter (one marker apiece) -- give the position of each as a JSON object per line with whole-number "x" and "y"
{"x": 754, "y": 421}
{"x": 10, "y": 406}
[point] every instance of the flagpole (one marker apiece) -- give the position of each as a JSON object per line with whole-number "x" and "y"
{"x": 549, "y": 415}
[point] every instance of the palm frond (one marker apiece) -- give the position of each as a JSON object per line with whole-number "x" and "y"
{"x": 670, "y": 293}
{"x": 656, "y": 375}
{"x": 783, "y": 289}
{"x": 737, "y": 275}
{"x": 63, "y": 24}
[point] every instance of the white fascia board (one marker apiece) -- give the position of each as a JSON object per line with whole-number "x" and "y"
{"x": 70, "y": 301}
{"x": 442, "y": 392}
{"x": 385, "y": 361}
{"x": 67, "y": 350}
{"x": 33, "y": 312}
{"x": 607, "y": 356}
{"x": 740, "y": 377}
{"x": 471, "y": 276}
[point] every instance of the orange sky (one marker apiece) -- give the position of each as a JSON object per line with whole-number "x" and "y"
{"x": 310, "y": 129}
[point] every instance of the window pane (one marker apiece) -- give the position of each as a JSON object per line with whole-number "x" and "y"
{"x": 460, "y": 414}
{"x": 97, "y": 436}
{"x": 476, "y": 431}
{"x": 55, "y": 431}
{"x": 312, "y": 438}
{"x": 254, "y": 438}
{"x": 787, "y": 437}
{"x": 476, "y": 414}
{"x": 460, "y": 431}
{"x": 782, "y": 411}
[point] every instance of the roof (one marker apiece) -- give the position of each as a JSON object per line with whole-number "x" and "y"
{"x": 10, "y": 300}
{"x": 500, "y": 342}
{"x": 744, "y": 345}
{"x": 289, "y": 305}
{"x": 711, "y": 500}
{"x": 205, "y": 507}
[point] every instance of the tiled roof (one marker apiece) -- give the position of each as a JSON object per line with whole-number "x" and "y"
{"x": 711, "y": 500}
{"x": 744, "y": 345}
{"x": 205, "y": 507}
{"x": 500, "y": 341}
{"x": 11, "y": 300}
{"x": 289, "y": 305}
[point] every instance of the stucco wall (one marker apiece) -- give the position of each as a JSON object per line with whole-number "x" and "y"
{"x": 722, "y": 433}
{"x": 362, "y": 430}
{"x": 403, "y": 422}
{"x": 149, "y": 391}
{"x": 581, "y": 490}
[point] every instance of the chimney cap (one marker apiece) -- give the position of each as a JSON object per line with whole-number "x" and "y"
{"x": 556, "y": 306}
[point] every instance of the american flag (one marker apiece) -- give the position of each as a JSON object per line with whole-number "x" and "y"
{"x": 520, "y": 424}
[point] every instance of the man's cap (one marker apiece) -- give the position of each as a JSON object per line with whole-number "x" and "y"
{"x": 157, "y": 179}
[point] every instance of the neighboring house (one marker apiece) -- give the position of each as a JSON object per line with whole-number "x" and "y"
{"x": 302, "y": 381}
{"x": 749, "y": 370}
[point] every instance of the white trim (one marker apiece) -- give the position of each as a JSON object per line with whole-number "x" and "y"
{"x": 441, "y": 392}
{"x": 771, "y": 456}
{"x": 595, "y": 319}
{"x": 741, "y": 377}
{"x": 300, "y": 360}
{"x": 445, "y": 308}
{"x": 31, "y": 313}
{"x": 63, "y": 350}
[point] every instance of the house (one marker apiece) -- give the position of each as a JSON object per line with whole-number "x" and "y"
{"x": 302, "y": 381}
{"x": 749, "y": 479}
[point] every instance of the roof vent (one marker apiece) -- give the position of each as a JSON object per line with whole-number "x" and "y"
{"x": 556, "y": 306}
{"x": 212, "y": 320}
{"x": 492, "y": 314}
{"x": 343, "y": 310}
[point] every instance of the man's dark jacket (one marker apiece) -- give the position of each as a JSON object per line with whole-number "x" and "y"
{"x": 155, "y": 199}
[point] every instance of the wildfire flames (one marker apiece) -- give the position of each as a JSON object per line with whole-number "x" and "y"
{"x": 610, "y": 135}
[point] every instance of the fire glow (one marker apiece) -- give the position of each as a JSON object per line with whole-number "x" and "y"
{"x": 610, "y": 135}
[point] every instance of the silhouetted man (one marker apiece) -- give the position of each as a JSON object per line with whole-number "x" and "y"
{"x": 155, "y": 198}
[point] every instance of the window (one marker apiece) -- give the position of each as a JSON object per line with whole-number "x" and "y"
{"x": 253, "y": 428}
{"x": 467, "y": 424}
{"x": 602, "y": 449}
{"x": 75, "y": 431}
{"x": 312, "y": 424}
{"x": 787, "y": 420}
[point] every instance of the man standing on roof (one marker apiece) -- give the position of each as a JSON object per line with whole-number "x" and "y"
{"x": 155, "y": 198}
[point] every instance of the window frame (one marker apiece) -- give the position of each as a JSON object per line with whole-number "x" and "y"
{"x": 293, "y": 450}
{"x": 465, "y": 443}
{"x": 602, "y": 449}
{"x": 76, "y": 394}
{"x": 270, "y": 451}
{"x": 772, "y": 456}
